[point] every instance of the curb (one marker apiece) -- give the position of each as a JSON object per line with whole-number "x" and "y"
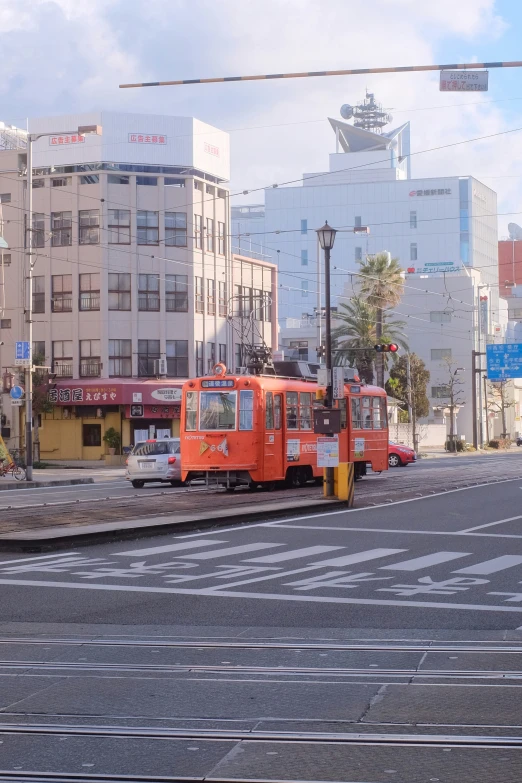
{"x": 38, "y": 484}
{"x": 57, "y": 537}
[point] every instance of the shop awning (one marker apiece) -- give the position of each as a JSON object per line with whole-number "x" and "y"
{"x": 116, "y": 391}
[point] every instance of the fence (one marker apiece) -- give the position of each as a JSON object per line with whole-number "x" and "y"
{"x": 428, "y": 435}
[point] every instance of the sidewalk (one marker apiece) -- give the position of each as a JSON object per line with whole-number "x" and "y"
{"x": 441, "y": 453}
{"x": 39, "y": 482}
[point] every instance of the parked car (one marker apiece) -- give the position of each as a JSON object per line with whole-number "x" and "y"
{"x": 400, "y": 455}
{"x": 155, "y": 460}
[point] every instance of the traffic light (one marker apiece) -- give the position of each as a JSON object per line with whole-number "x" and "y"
{"x": 387, "y": 348}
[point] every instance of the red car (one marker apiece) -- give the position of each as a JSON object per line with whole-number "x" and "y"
{"x": 400, "y": 455}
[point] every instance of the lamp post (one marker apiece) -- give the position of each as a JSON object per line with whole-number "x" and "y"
{"x": 82, "y": 130}
{"x": 326, "y": 236}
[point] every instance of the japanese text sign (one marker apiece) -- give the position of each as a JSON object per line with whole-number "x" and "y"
{"x": 504, "y": 361}
{"x": 464, "y": 81}
{"x": 147, "y": 138}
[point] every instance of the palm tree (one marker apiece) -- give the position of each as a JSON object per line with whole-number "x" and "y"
{"x": 382, "y": 286}
{"x": 358, "y": 331}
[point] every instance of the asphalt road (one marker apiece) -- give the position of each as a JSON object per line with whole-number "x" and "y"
{"x": 373, "y": 645}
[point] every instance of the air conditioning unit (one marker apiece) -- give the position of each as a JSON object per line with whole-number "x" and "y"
{"x": 160, "y": 366}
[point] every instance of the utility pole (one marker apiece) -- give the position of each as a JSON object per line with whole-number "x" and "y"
{"x": 30, "y": 264}
{"x": 474, "y": 372}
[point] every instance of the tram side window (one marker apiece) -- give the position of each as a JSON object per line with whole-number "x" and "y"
{"x": 367, "y": 413}
{"x": 356, "y": 414}
{"x": 376, "y": 410}
{"x": 384, "y": 413}
{"x": 305, "y": 411}
{"x": 191, "y": 407}
{"x": 269, "y": 411}
{"x": 342, "y": 407}
{"x": 291, "y": 410}
{"x": 246, "y": 410}
{"x": 277, "y": 411}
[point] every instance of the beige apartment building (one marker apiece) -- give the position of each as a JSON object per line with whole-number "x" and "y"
{"x": 135, "y": 285}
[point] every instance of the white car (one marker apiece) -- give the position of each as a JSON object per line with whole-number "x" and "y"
{"x": 155, "y": 460}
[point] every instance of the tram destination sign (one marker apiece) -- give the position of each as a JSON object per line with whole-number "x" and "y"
{"x": 504, "y": 360}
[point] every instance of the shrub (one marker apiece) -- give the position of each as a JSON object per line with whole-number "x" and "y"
{"x": 494, "y": 444}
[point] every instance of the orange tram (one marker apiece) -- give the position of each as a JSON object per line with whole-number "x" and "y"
{"x": 258, "y": 429}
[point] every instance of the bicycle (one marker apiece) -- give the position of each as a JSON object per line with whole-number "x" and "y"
{"x": 10, "y": 467}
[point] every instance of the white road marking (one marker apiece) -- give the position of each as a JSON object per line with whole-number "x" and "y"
{"x": 232, "y": 550}
{"x": 492, "y": 566}
{"x": 39, "y": 557}
{"x": 418, "y": 563}
{"x": 359, "y": 557}
{"x": 490, "y": 524}
{"x": 207, "y": 593}
{"x": 159, "y": 550}
{"x": 293, "y": 554}
{"x": 392, "y": 530}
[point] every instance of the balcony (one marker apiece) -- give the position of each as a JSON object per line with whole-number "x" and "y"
{"x": 63, "y": 369}
{"x": 90, "y": 368}
{"x": 62, "y": 305}
{"x": 89, "y": 302}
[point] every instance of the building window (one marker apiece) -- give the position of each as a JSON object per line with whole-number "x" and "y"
{"x": 221, "y": 239}
{"x": 176, "y": 293}
{"x": 148, "y": 292}
{"x": 148, "y": 354}
{"x": 117, "y": 179}
{"x": 198, "y": 231}
{"x": 38, "y": 231}
{"x": 175, "y": 229}
{"x": 61, "y": 229}
{"x": 413, "y": 219}
{"x": 211, "y": 297}
{"x": 120, "y": 358}
{"x": 89, "y": 179}
{"x": 211, "y": 356}
{"x": 198, "y": 185}
{"x": 90, "y": 291}
{"x": 147, "y": 227}
{"x": 91, "y": 434}
{"x": 173, "y": 182}
{"x": 210, "y": 235}
{"x": 89, "y": 226}
{"x": 223, "y": 353}
{"x": 61, "y": 294}
{"x": 238, "y": 357}
{"x": 177, "y": 358}
{"x": 438, "y": 354}
{"x": 304, "y": 288}
{"x": 38, "y": 183}
{"x": 304, "y": 257}
{"x": 119, "y": 226}
{"x": 119, "y": 291}
{"x": 5, "y": 258}
{"x": 267, "y": 306}
{"x": 247, "y": 301}
{"x": 413, "y": 251}
{"x": 440, "y": 317}
{"x": 198, "y": 294}
{"x": 62, "y": 358}
{"x": 222, "y": 301}
{"x": 90, "y": 366}
{"x": 39, "y": 351}
{"x": 358, "y": 253}
{"x": 5, "y": 323}
{"x": 199, "y": 358}
{"x": 304, "y": 226}
{"x": 258, "y": 304}
{"x": 209, "y": 190}
{"x": 238, "y": 300}
{"x": 61, "y": 182}
{"x": 357, "y": 222}
{"x": 5, "y": 198}
{"x": 146, "y": 181}
{"x": 439, "y": 392}
{"x": 39, "y": 294}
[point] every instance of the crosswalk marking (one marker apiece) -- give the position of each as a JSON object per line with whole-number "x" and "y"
{"x": 418, "y": 563}
{"x": 492, "y": 566}
{"x": 39, "y": 557}
{"x": 232, "y": 550}
{"x": 159, "y": 550}
{"x": 294, "y": 554}
{"x": 359, "y": 557}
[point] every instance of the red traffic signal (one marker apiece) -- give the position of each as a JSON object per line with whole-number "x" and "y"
{"x": 387, "y": 348}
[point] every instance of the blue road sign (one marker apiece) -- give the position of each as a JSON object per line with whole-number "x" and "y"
{"x": 22, "y": 350}
{"x": 17, "y": 393}
{"x": 504, "y": 361}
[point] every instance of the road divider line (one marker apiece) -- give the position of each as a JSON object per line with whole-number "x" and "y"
{"x": 490, "y": 524}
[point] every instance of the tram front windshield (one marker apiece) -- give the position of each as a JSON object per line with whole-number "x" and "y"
{"x": 217, "y": 410}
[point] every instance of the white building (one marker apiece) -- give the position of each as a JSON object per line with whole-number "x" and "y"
{"x": 133, "y": 269}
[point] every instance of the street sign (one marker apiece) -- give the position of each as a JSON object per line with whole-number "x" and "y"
{"x": 22, "y": 354}
{"x": 338, "y": 383}
{"x": 464, "y": 81}
{"x": 327, "y": 452}
{"x": 504, "y": 361}
{"x": 17, "y": 393}
{"x": 17, "y": 403}
{"x": 323, "y": 376}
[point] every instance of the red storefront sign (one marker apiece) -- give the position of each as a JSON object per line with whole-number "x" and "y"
{"x": 157, "y": 394}
{"x": 59, "y": 140}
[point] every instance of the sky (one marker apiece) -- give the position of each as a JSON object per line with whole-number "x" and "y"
{"x": 61, "y": 56}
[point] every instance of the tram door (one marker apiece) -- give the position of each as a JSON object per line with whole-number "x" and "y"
{"x": 274, "y": 455}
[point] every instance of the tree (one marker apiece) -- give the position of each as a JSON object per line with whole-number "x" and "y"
{"x": 41, "y": 402}
{"x": 382, "y": 286}
{"x": 408, "y": 381}
{"x": 453, "y": 393}
{"x": 355, "y": 337}
{"x": 498, "y": 401}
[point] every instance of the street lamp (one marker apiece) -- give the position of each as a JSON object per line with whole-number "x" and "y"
{"x": 81, "y": 130}
{"x": 326, "y": 236}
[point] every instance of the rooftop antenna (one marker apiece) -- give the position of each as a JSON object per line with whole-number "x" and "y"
{"x": 367, "y": 114}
